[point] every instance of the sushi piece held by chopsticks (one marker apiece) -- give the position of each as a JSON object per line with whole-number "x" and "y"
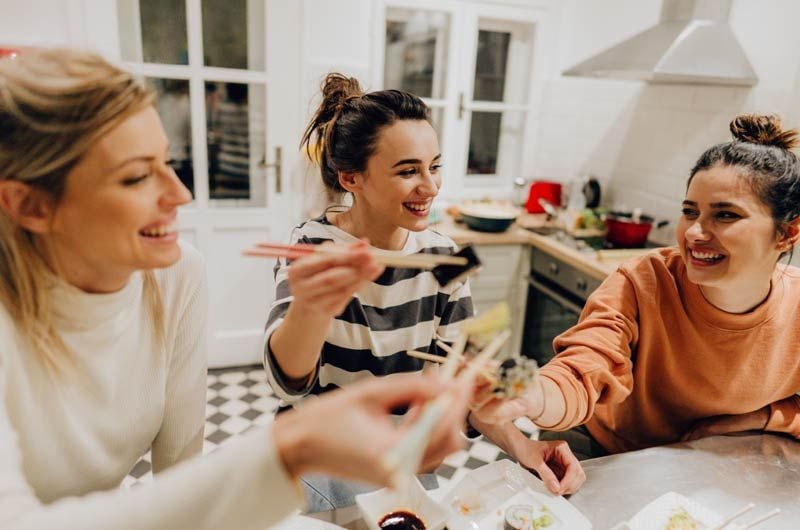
{"x": 446, "y": 268}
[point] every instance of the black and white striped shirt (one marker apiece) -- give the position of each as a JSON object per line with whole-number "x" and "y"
{"x": 401, "y": 310}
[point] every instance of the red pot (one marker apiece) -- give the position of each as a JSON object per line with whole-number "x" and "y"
{"x": 623, "y": 231}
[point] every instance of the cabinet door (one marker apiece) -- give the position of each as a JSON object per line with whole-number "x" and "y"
{"x": 503, "y": 278}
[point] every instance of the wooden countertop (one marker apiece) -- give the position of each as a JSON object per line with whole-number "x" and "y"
{"x": 591, "y": 263}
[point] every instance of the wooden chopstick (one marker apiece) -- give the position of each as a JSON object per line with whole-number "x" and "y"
{"x": 412, "y": 261}
{"x": 754, "y": 522}
{"x": 736, "y": 515}
{"x": 488, "y": 374}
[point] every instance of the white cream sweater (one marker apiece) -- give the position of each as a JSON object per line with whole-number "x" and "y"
{"x": 68, "y": 440}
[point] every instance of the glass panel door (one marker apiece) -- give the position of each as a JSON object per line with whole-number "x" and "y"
{"x": 500, "y": 81}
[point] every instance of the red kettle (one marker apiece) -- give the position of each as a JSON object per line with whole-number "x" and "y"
{"x": 543, "y": 189}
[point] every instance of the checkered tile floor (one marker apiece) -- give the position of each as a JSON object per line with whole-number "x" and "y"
{"x": 239, "y": 398}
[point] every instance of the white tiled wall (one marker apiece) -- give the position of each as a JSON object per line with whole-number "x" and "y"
{"x": 643, "y": 139}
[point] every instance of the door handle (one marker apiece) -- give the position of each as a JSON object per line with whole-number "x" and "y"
{"x": 461, "y": 107}
{"x": 278, "y": 165}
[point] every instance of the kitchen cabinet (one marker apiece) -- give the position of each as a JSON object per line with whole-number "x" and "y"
{"x": 503, "y": 277}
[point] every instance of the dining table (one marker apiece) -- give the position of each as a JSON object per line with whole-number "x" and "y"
{"x": 723, "y": 473}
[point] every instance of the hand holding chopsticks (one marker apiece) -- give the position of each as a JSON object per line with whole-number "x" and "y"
{"x": 445, "y": 267}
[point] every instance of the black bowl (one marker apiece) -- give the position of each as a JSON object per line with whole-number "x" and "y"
{"x": 487, "y": 224}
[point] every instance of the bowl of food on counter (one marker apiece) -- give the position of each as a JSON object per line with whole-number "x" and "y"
{"x": 490, "y": 216}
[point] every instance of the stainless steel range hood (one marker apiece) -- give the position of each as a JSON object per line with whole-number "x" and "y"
{"x": 692, "y": 43}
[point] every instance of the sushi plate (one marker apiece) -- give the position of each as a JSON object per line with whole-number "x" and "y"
{"x": 673, "y": 511}
{"x": 504, "y": 494}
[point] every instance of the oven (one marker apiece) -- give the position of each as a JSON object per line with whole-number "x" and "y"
{"x": 556, "y": 294}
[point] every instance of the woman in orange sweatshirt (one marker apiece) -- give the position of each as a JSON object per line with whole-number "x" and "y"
{"x": 695, "y": 340}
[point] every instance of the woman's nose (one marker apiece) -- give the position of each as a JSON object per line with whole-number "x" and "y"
{"x": 430, "y": 184}
{"x": 697, "y": 232}
{"x": 175, "y": 193}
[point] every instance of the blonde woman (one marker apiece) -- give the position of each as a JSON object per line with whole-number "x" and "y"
{"x": 102, "y": 325}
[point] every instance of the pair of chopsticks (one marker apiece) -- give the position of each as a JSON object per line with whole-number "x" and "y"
{"x": 751, "y": 524}
{"x": 403, "y": 459}
{"x": 390, "y": 259}
{"x": 485, "y": 372}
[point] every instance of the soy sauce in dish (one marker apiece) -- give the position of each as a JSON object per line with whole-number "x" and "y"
{"x": 401, "y": 520}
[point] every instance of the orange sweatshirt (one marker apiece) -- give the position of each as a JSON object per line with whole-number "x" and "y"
{"x": 650, "y": 356}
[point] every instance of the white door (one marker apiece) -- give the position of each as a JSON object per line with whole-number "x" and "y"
{"x": 478, "y": 66}
{"x": 228, "y": 73}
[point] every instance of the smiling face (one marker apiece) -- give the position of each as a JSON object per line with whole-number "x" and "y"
{"x": 401, "y": 178}
{"x": 119, "y": 208}
{"x": 726, "y": 235}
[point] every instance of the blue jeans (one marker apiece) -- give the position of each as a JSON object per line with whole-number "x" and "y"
{"x": 325, "y": 493}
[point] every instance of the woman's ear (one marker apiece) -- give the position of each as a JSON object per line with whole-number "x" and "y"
{"x": 350, "y": 181}
{"x": 790, "y": 235}
{"x": 25, "y": 205}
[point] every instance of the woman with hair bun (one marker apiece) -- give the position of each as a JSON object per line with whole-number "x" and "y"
{"x": 380, "y": 148}
{"x": 103, "y": 325}
{"x": 695, "y": 340}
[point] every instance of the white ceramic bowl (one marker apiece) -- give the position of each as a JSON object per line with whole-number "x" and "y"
{"x": 376, "y": 505}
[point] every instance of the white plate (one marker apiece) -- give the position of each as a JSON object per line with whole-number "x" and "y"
{"x": 377, "y": 504}
{"x": 301, "y": 522}
{"x": 480, "y": 499}
{"x": 657, "y": 514}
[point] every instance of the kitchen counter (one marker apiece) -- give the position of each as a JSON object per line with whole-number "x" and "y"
{"x": 585, "y": 261}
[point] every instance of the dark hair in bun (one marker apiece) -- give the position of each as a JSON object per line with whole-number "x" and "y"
{"x": 761, "y": 153}
{"x": 763, "y": 130}
{"x": 348, "y": 121}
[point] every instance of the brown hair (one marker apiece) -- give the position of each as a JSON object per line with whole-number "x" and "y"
{"x": 348, "y": 121}
{"x": 54, "y": 105}
{"x": 761, "y": 152}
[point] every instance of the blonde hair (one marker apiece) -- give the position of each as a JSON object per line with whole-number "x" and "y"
{"x": 54, "y": 105}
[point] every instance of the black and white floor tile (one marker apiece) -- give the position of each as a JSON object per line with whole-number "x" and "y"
{"x": 238, "y": 399}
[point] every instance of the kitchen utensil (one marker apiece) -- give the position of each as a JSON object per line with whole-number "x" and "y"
{"x": 445, "y": 268}
{"x": 547, "y": 207}
{"x": 626, "y": 230}
{"x": 733, "y": 516}
{"x": 488, "y": 217}
{"x": 549, "y": 191}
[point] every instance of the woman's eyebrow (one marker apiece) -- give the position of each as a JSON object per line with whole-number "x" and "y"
{"x": 721, "y": 204}
{"x": 415, "y": 160}
{"x": 129, "y": 160}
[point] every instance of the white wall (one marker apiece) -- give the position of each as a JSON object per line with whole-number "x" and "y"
{"x": 643, "y": 139}
{"x": 78, "y": 23}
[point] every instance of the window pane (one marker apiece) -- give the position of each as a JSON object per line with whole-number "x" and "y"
{"x": 175, "y": 112}
{"x": 490, "y": 66}
{"x": 484, "y": 141}
{"x": 235, "y": 113}
{"x": 416, "y": 50}
{"x": 163, "y": 27}
{"x": 233, "y": 34}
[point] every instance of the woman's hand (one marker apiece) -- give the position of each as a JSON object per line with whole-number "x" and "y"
{"x": 347, "y": 433}
{"x": 728, "y": 424}
{"x": 323, "y": 284}
{"x": 553, "y": 461}
{"x": 492, "y": 410}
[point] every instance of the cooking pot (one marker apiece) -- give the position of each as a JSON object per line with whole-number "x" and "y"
{"x": 626, "y": 230}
